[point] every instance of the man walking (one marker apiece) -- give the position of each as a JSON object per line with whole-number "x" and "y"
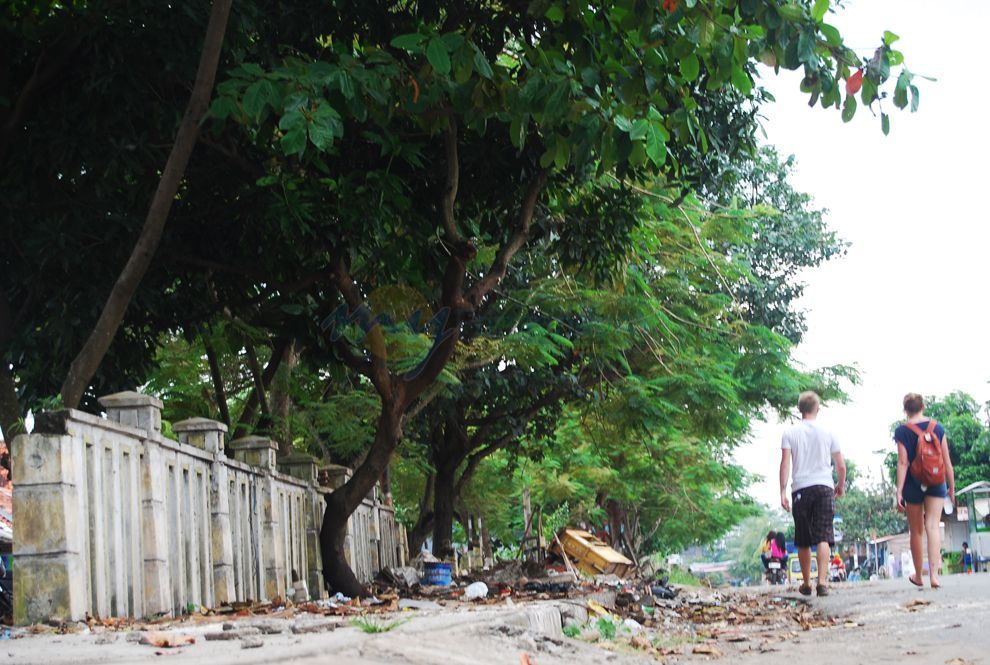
{"x": 810, "y": 450}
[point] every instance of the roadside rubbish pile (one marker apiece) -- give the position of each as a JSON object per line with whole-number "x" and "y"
{"x": 567, "y": 596}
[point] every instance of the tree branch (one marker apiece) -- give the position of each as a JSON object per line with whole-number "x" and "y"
{"x": 218, "y": 387}
{"x": 246, "y": 419}
{"x": 88, "y": 360}
{"x": 453, "y": 177}
{"x": 500, "y": 265}
{"x": 378, "y": 370}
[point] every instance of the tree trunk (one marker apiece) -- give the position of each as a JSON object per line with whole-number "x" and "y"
{"x": 424, "y": 523}
{"x": 281, "y": 400}
{"x": 11, "y": 422}
{"x": 343, "y": 501}
{"x": 443, "y": 512}
{"x": 218, "y": 387}
{"x": 337, "y": 573}
{"x": 487, "y": 556}
{"x": 88, "y": 360}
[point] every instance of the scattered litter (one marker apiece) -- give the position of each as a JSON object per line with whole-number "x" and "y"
{"x": 476, "y": 591}
{"x": 166, "y": 640}
{"x": 916, "y": 604}
{"x": 707, "y": 650}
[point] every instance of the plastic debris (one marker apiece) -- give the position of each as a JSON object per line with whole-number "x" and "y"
{"x": 475, "y": 591}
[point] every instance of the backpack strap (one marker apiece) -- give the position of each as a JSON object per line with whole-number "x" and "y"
{"x": 917, "y": 430}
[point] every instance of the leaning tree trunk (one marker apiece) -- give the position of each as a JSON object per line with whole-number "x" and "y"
{"x": 342, "y": 502}
{"x": 11, "y": 423}
{"x": 88, "y": 360}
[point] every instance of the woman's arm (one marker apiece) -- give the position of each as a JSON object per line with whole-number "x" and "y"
{"x": 902, "y": 467}
{"x": 950, "y": 473}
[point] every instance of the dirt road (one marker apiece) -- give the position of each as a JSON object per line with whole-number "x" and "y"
{"x": 871, "y": 623}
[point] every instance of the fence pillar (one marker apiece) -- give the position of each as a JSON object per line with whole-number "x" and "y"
{"x": 208, "y": 435}
{"x": 260, "y": 451}
{"x": 51, "y": 580}
{"x": 303, "y": 466}
{"x": 136, "y": 410}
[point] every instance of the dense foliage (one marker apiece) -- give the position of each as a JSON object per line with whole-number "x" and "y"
{"x": 401, "y": 215}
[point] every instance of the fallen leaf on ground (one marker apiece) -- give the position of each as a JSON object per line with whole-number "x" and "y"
{"x": 598, "y": 609}
{"x": 166, "y": 640}
{"x": 640, "y": 642}
{"x": 707, "y": 650}
{"x": 958, "y": 661}
{"x": 917, "y": 603}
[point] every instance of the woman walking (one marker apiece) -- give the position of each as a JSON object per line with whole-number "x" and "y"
{"x": 924, "y": 479}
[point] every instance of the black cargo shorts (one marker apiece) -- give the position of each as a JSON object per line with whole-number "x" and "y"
{"x": 813, "y": 509}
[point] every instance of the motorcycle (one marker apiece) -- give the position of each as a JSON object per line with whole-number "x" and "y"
{"x": 836, "y": 573}
{"x": 776, "y": 574}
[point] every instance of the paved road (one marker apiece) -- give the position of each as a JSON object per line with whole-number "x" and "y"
{"x": 954, "y": 625}
{"x": 876, "y": 626}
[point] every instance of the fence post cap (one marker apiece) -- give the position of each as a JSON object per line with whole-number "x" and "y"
{"x": 199, "y": 425}
{"x": 129, "y": 398}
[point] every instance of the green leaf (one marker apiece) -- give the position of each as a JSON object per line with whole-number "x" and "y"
{"x": 832, "y": 35}
{"x": 889, "y": 37}
{"x": 223, "y": 107}
{"x": 639, "y": 129}
{"x": 656, "y": 142}
{"x": 555, "y": 13}
{"x": 267, "y": 180}
{"x": 792, "y": 11}
{"x": 690, "y": 67}
{"x": 915, "y": 98}
{"x": 294, "y": 142}
{"x": 411, "y": 42}
{"x": 820, "y": 9}
{"x": 481, "y": 63}
{"x": 849, "y": 110}
{"x": 258, "y": 96}
{"x": 292, "y": 120}
{"x": 741, "y": 80}
{"x": 885, "y": 123}
{"x": 437, "y": 54}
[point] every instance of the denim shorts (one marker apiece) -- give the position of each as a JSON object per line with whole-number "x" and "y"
{"x": 914, "y": 494}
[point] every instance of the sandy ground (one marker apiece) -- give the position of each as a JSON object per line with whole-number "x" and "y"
{"x": 874, "y": 623}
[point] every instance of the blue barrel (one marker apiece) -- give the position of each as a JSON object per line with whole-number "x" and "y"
{"x": 436, "y": 574}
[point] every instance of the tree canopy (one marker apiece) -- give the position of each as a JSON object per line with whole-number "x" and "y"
{"x": 440, "y": 163}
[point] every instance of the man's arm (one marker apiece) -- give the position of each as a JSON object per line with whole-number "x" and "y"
{"x": 785, "y": 472}
{"x": 840, "y": 470}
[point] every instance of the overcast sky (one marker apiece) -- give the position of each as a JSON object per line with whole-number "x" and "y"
{"x": 908, "y": 304}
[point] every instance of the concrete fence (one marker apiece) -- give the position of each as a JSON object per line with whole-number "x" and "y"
{"x": 114, "y": 519}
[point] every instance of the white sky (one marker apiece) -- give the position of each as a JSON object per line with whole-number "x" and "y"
{"x": 916, "y": 196}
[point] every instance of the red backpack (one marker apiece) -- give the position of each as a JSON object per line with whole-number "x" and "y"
{"x": 928, "y": 467}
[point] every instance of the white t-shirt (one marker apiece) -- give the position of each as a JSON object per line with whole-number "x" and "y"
{"x": 811, "y": 447}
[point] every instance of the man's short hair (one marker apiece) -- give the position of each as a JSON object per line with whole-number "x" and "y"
{"x": 808, "y": 402}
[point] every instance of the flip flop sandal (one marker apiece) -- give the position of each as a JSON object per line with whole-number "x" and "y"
{"x": 821, "y": 590}
{"x": 919, "y": 583}
{"x": 805, "y": 589}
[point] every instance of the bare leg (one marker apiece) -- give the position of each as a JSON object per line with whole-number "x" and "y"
{"x": 933, "y": 515}
{"x": 916, "y": 525}
{"x": 804, "y": 556}
{"x": 824, "y": 556}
